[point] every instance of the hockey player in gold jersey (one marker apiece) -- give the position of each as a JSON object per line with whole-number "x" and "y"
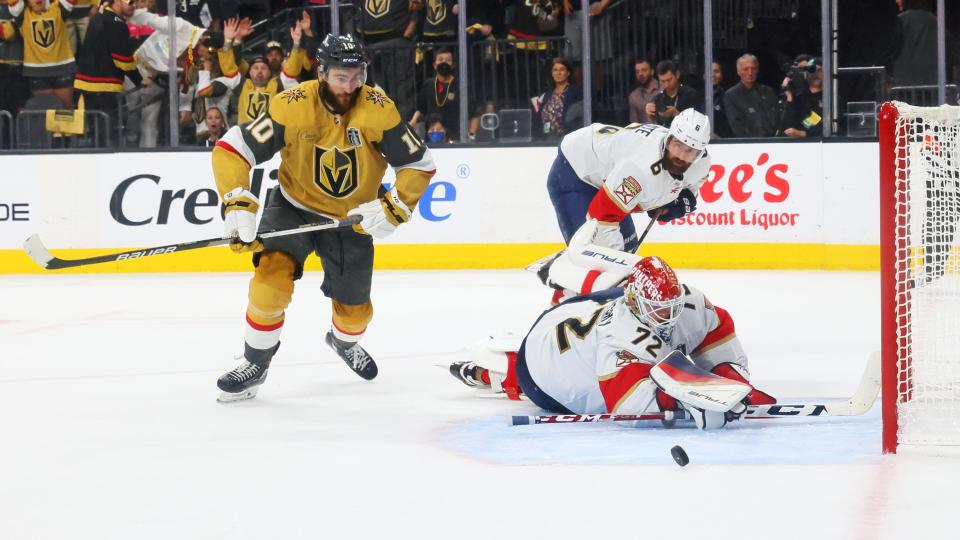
{"x": 336, "y": 137}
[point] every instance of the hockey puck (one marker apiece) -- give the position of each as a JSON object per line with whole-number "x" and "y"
{"x": 680, "y": 456}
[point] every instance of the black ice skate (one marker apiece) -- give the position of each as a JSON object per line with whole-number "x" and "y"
{"x": 353, "y": 354}
{"x": 243, "y": 381}
{"x": 468, "y": 373}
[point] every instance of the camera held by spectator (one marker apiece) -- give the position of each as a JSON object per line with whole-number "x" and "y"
{"x": 795, "y": 83}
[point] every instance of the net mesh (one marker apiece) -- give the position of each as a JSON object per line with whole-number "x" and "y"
{"x": 928, "y": 274}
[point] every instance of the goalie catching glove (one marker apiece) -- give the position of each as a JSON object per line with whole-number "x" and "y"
{"x": 381, "y": 216}
{"x": 240, "y": 220}
{"x": 712, "y": 400}
{"x": 685, "y": 203}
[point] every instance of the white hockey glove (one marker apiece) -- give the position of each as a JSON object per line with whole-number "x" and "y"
{"x": 240, "y": 220}
{"x": 381, "y": 216}
{"x": 712, "y": 419}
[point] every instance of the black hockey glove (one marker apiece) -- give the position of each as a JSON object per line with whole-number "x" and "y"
{"x": 685, "y": 203}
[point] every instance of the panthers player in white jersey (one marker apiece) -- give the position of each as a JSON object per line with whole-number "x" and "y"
{"x": 607, "y": 172}
{"x": 594, "y": 354}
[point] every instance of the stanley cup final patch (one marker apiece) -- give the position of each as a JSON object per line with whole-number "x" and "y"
{"x": 353, "y": 135}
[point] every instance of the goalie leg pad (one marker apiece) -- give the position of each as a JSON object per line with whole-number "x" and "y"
{"x": 270, "y": 292}
{"x": 350, "y": 322}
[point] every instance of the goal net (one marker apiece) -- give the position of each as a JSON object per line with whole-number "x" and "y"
{"x": 920, "y": 274}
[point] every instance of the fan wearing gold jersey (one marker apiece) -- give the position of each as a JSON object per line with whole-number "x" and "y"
{"x": 336, "y": 137}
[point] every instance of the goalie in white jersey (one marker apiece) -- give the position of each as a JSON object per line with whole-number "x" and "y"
{"x": 599, "y": 353}
{"x": 607, "y": 172}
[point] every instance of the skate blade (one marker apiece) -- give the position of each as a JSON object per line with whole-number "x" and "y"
{"x": 229, "y": 397}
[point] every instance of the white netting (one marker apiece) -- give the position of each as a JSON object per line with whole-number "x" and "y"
{"x": 928, "y": 276}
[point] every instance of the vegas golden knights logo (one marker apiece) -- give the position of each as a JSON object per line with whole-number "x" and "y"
{"x": 256, "y": 104}
{"x": 436, "y": 12}
{"x": 377, "y": 8}
{"x": 335, "y": 171}
{"x": 43, "y": 34}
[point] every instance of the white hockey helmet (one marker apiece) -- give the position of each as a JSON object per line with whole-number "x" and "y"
{"x": 654, "y": 294}
{"x": 692, "y": 129}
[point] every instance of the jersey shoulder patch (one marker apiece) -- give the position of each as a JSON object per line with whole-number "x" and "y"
{"x": 295, "y": 104}
{"x": 378, "y": 111}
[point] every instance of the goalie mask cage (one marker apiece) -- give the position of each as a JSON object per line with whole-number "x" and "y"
{"x": 920, "y": 275}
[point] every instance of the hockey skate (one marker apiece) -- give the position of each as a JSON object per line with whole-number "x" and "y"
{"x": 353, "y": 354}
{"x": 243, "y": 381}
{"x": 468, "y": 374}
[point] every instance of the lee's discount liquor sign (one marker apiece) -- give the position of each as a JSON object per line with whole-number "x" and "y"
{"x": 781, "y": 193}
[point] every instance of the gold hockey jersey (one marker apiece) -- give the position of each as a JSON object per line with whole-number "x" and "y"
{"x": 46, "y": 44}
{"x": 330, "y": 163}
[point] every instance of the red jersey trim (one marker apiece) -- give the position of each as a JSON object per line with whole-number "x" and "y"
{"x": 724, "y": 331}
{"x": 604, "y": 208}
{"x": 617, "y": 388}
{"x": 226, "y": 146}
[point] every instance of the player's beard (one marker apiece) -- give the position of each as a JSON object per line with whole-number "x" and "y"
{"x": 338, "y": 104}
{"x": 674, "y": 166}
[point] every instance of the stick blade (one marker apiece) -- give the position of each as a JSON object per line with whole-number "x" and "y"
{"x": 38, "y": 252}
{"x": 866, "y": 394}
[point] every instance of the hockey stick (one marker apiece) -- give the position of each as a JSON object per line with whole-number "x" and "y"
{"x": 41, "y": 255}
{"x": 861, "y": 402}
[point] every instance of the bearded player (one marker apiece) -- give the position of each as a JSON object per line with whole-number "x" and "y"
{"x": 336, "y": 137}
{"x": 607, "y": 172}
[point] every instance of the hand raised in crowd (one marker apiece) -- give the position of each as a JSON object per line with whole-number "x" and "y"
{"x": 306, "y": 23}
{"x": 567, "y": 8}
{"x": 296, "y": 33}
{"x": 245, "y": 28}
{"x": 651, "y": 109}
{"x": 230, "y": 27}
{"x": 596, "y": 9}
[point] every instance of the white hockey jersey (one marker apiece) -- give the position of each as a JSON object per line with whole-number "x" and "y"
{"x": 626, "y": 162}
{"x": 593, "y": 356}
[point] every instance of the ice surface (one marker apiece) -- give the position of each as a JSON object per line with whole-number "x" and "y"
{"x": 109, "y": 426}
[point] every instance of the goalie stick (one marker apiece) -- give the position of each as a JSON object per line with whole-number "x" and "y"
{"x": 860, "y": 403}
{"x": 42, "y": 256}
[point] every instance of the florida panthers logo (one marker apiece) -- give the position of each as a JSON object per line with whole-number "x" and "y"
{"x": 377, "y": 8}
{"x": 43, "y": 33}
{"x": 436, "y": 12}
{"x": 335, "y": 171}
{"x": 257, "y": 103}
{"x": 625, "y": 358}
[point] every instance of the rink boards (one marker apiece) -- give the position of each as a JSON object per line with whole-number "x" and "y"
{"x": 790, "y": 205}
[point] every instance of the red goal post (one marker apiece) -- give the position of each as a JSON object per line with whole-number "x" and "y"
{"x": 920, "y": 275}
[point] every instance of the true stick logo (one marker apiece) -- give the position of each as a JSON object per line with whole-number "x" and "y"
{"x": 146, "y": 253}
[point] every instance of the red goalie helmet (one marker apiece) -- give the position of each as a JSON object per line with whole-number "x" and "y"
{"x": 654, "y": 294}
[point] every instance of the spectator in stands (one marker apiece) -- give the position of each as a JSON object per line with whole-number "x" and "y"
{"x": 440, "y": 21}
{"x": 751, "y": 107}
{"x": 215, "y": 127}
{"x": 561, "y": 107}
{"x": 259, "y": 86}
{"x": 439, "y": 95}
{"x": 140, "y": 32}
{"x": 803, "y": 96}
{"x": 436, "y": 132}
{"x": 388, "y": 30}
{"x": 528, "y": 65}
{"x": 913, "y": 45}
{"x": 106, "y": 60}
{"x": 647, "y": 88}
{"x": 673, "y": 97}
{"x": 202, "y": 13}
{"x": 48, "y": 61}
{"x": 573, "y": 27}
{"x": 77, "y": 21}
{"x": 721, "y": 128}
{"x": 13, "y": 89}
